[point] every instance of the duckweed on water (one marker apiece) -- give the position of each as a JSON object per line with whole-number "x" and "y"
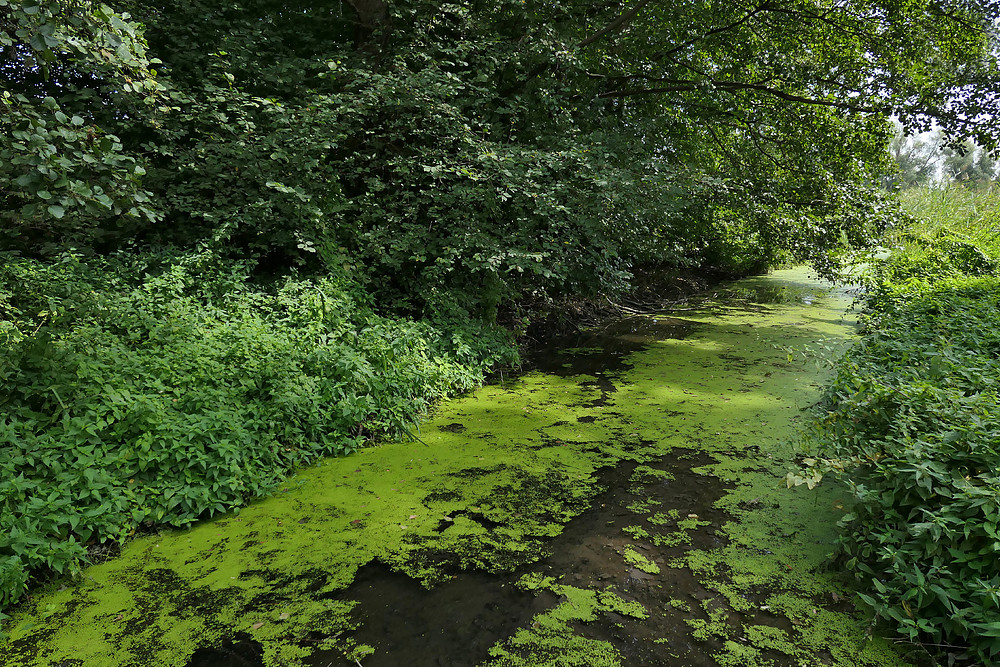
{"x": 640, "y": 562}
{"x": 741, "y": 582}
{"x": 550, "y": 640}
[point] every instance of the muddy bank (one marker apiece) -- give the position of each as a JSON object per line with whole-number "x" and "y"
{"x": 623, "y": 504}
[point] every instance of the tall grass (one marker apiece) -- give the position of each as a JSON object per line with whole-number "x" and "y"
{"x": 972, "y": 211}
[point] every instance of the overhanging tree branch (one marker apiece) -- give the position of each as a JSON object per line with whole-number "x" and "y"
{"x": 682, "y": 85}
{"x": 615, "y": 25}
{"x": 683, "y": 45}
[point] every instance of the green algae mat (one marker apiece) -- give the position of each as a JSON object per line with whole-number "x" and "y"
{"x": 623, "y": 505}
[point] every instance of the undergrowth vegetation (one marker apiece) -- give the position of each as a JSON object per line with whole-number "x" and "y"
{"x": 156, "y": 389}
{"x": 913, "y": 415}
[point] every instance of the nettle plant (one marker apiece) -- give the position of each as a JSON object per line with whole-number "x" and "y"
{"x": 167, "y": 388}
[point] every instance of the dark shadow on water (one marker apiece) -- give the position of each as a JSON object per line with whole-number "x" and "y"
{"x": 604, "y": 349}
{"x": 452, "y": 624}
{"x": 242, "y": 652}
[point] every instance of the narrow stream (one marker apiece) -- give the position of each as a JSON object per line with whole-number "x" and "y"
{"x": 621, "y": 504}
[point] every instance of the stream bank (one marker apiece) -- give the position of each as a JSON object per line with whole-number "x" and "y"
{"x": 624, "y": 504}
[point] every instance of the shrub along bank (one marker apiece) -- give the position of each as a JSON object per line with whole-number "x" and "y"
{"x": 913, "y": 415}
{"x": 158, "y": 388}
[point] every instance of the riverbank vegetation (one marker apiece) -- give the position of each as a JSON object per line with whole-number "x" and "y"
{"x": 142, "y": 390}
{"x": 234, "y": 237}
{"x": 913, "y": 415}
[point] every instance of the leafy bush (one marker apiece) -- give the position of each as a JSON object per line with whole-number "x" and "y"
{"x": 924, "y": 259}
{"x": 914, "y": 415}
{"x": 160, "y": 389}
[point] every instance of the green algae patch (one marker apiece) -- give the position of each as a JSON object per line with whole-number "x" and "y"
{"x": 635, "y": 559}
{"x": 735, "y": 389}
{"x": 770, "y": 638}
{"x": 491, "y": 485}
{"x": 484, "y": 496}
{"x": 714, "y": 624}
{"x": 551, "y": 640}
{"x": 743, "y": 409}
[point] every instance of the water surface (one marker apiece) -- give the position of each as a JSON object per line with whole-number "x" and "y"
{"x": 621, "y": 504}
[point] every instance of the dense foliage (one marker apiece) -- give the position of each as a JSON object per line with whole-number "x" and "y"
{"x": 136, "y": 391}
{"x": 234, "y": 236}
{"x": 914, "y": 416}
{"x": 470, "y": 153}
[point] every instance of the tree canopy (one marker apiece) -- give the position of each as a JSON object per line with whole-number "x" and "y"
{"x": 459, "y": 154}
